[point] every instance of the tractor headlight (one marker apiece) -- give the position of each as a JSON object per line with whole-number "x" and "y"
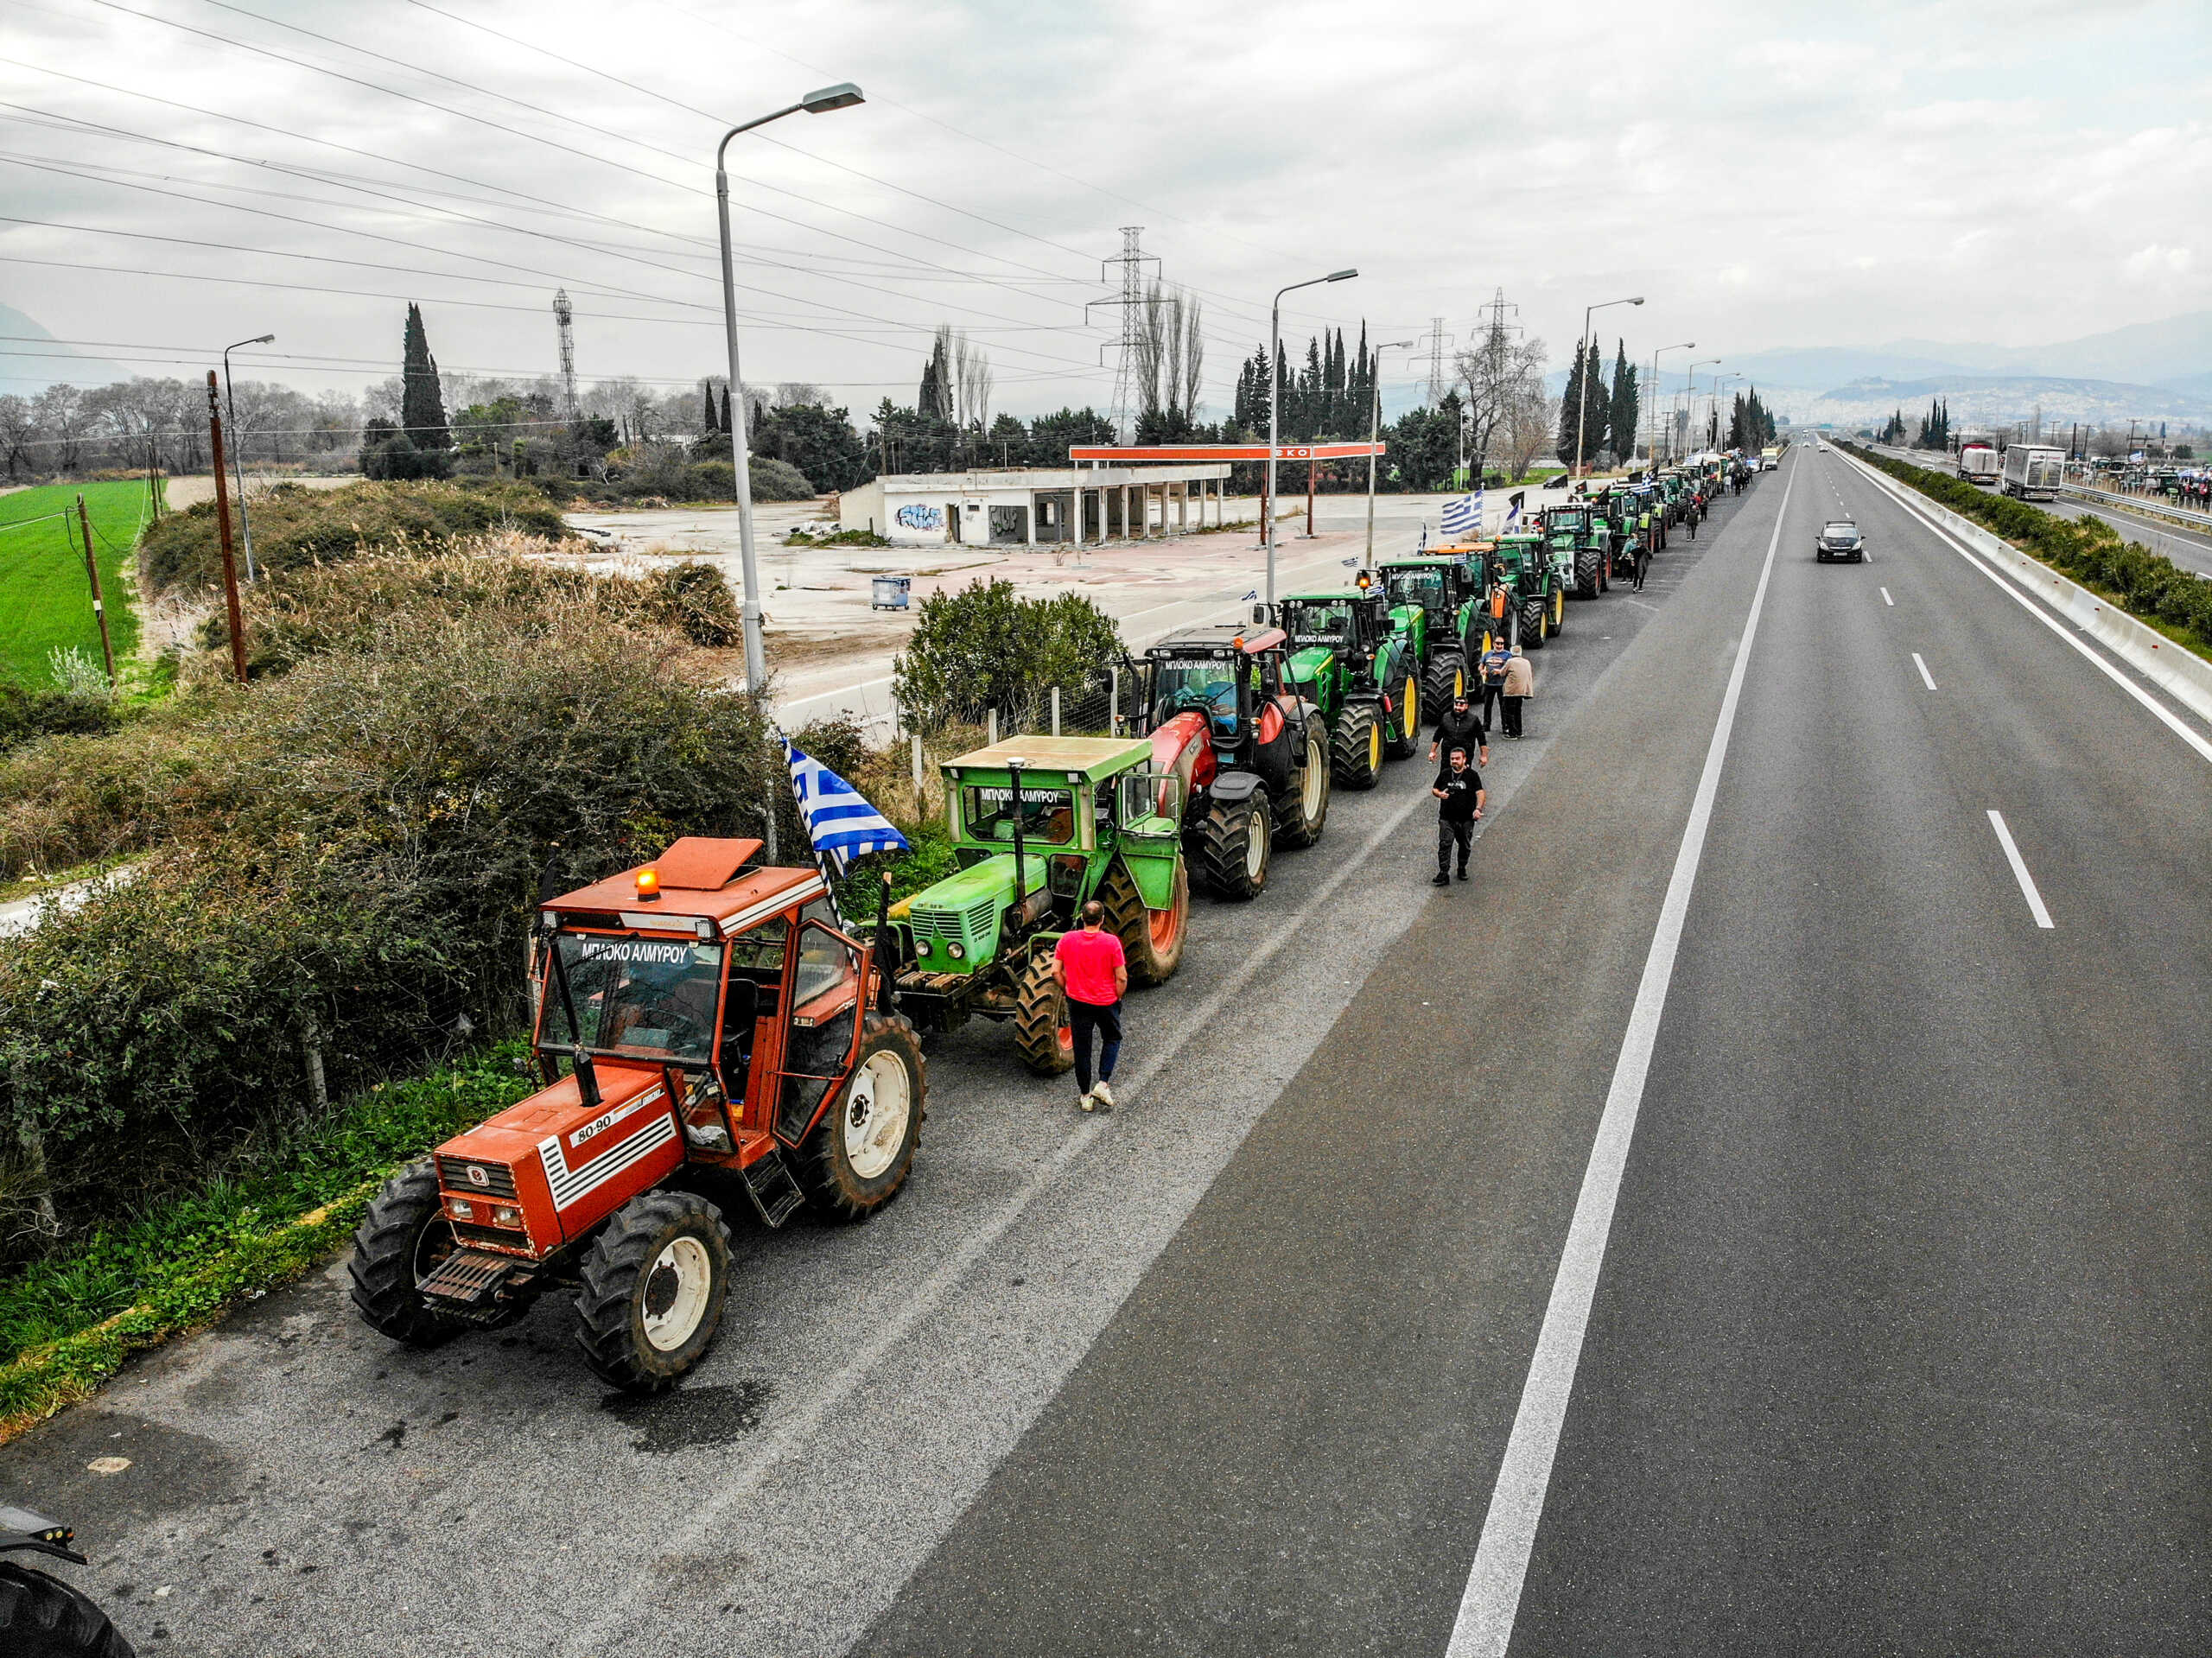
{"x": 507, "y": 1215}
{"x": 460, "y": 1208}
{"x": 955, "y": 951}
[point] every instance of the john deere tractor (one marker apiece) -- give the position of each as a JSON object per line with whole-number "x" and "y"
{"x": 1364, "y": 673}
{"x": 1530, "y": 571}
{"x": 1581, "y": 538}
{"x": 1444, "y": 589}
{"x": 1247, "y": 745}
{"x": 1040, "y": 826}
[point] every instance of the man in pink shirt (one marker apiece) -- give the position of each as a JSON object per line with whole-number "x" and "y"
{"x": 1092, "y": 972}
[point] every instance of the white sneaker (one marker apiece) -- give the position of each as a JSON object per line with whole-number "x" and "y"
{"x": 1087, "y": 1102}
{"x": 1104, "y": 1097}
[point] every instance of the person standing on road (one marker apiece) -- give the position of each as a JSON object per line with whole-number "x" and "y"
{"x": 1643, "y": 559}
{"x": 1093, "y": 972}
{"x": 1492, "y": 669}
{"x": 1460, "y": 727}
{"x": 1460, "y": 796}
{"x": 1520, "y": 685}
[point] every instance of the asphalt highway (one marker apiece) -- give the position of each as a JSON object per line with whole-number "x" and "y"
{"x": 1732, "y": 1222}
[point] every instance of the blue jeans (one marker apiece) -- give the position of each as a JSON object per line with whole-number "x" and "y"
{"x": 1105, "y": 1018}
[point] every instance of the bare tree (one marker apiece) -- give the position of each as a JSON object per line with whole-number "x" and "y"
{"x": 1497, "y": 374}
{"x": 1527, "y": 426}
{"x": 972, "y": 383}
{"x": 18, "y": 431}
{"x": 1170, "y": 354}
{"x": 1194, "y": 355}
{"x": 62, "y": 417}
{"x": 800, "y": 394}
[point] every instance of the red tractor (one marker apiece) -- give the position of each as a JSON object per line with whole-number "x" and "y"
{"x": 702, "y": 1028}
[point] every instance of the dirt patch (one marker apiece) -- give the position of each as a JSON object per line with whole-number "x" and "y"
{"x": 787, "y": 651}
{"x": 182, "y": 492}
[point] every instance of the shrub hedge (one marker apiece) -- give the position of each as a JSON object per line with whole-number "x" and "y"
{"x": 295, "y": 527}
{"x": 2145, "y": 583}
{"x": 985, "y": 647}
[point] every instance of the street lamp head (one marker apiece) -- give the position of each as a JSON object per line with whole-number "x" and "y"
{"x": 1340, "y": 276}
{"x": 1638, "y": 300}
{"x": 842, "y": 96}
{"x": 262, "y": 339}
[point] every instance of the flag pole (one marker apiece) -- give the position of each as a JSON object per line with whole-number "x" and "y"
{"x": 821, "y": 858}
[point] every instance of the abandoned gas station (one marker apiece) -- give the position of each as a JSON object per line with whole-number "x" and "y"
{"x": 1101, "y": 497}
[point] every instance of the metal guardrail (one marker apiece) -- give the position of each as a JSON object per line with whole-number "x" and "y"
{"x": 2146, "y": 508}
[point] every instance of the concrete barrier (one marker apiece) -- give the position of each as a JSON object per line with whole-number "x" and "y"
{"x": 2174, "y": 669}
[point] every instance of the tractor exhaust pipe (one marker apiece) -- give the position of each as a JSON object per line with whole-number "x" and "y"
{"x": 1020, "y": 871}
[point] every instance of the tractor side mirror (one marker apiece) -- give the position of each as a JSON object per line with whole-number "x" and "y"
{"x": 1261, "y": 617}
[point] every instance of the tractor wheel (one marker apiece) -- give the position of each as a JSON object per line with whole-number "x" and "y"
{"x": 1558, "y": 618}
{"x": 1589, "y": 571}
{"x": 44, "y": 1617}
{"x": 1356, "y": 747}
{"x": 654, "y": 1283}
{"x": 1040, "y": 1021}
{"x": 1405, "y": 724}
{"x": 1533, "y": 613}
{"x": 1303, "y": 808}
{"x": 1447, "y": 678}
{"x": 1152, "y": 940}
{"x": 858, "y": 1157}
{"x": 1237, "y": 847}
{"x": 400, "y": 1242}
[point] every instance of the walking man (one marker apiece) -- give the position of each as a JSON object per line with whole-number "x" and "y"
{"x": 1493, "y": 672}
{"x": 1459, "y": 794}
{"x": 1520, "y": 686}
{"x": 1092, "y": 971}
{"x": 1460, "y": 727}
{"x": 1643, "y": 560}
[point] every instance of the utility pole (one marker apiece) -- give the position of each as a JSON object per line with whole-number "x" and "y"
{"x": 1436, "y": 339}
{"x": 1132, "y": 262}
{"x": 222, "y": 519}
{"x": 99, "y": 609}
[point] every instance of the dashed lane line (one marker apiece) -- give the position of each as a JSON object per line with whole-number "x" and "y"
{"x": 2020, "y": 870}
{"x": 1885, "y": 597}
{"x": 1926, "y": 678}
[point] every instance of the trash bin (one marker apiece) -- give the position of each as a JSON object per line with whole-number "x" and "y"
{"x": 889, "y": 592}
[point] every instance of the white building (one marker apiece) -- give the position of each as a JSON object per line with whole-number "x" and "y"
{"x": 1028, "y": 506}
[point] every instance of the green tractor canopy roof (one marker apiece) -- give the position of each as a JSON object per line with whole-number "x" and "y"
{"x": 1084, "y": 757}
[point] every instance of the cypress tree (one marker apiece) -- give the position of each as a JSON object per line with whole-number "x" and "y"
{"x": 726, "y": 425}
{"x": 422, "y": 405}
{"x": 711, "y": 423}
{"x": 1621, "y": 411}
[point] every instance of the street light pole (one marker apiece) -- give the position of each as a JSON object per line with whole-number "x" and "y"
{"x": 1652, "y": 394}
{"x": 843, "y": 95}
{"x": 1374, "y": 429}
{"x": 238, "y": 450}
{"x": 1582, "y": 398}
{"x": 1275, "y": 414}
{"x": 1718, "y": 383}
{"x": 1689, "y": 391}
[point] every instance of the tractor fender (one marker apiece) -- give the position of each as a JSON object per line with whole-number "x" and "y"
{"x": 1184, "y": 746}
{"x": 1229, "y": 787}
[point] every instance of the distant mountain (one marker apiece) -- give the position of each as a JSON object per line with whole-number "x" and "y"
{"x": 1988, "y": 399}
{"x": 2143, "y": 353}
{"x": 29, "y": 367}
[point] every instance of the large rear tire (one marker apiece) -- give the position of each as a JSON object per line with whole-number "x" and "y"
{"x": 1040, "y": 1017}
{"x": 859, "y": 1156}
{"x": 1404, "y": 729}
{"x": 44, "y": 1617}
{"x": 1302, "y": 808}
{"x": 1589, "y": 571}
{"x": 655, "y": 1281}
{"x": 1447, "y": 678}
{"x": 401, "y": 1242}
{"x": 1152, "y": 940}
{"x": 1236, "y": 848}
{"x": 1356, "y": 747}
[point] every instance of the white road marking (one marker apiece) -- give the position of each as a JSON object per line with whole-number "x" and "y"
{"x": 1885, "y": 597}
{"x": 1926, "y": 678}
{"x": 2020, "y": 870}
{"x": 1485, "y": 1626}
{"x": 2166, "y": 717}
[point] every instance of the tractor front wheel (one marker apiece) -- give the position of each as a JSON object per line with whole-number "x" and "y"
{"x": 401, "y": 1242}
{"x": 1237, "y": 847}
{"x": 1040, "y": 1021}
{"x": 1404, "y": 721}
{"x": 1152, "y": 940}
{"x": 1447, "y": 678}
{"x": 1356, "y": 747}
{"x": 45, "y": 1617}
{"x": 1533, "y": 613}
{"x": 654, "y": 1283}
{"x": 858, "y": 1157}
{"x": 1558, "y": 618}
{"x": 1303, "y": 806}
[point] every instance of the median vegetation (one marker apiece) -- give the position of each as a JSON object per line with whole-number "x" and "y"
{"x": 2124, "y": 573}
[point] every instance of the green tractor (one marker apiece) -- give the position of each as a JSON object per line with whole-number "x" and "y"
{"x": 1439, "y": 593}
{"x": 1581, "y": 539}
{"x": 1362, "y": 673}
{"x": 1247, "y": 743}
{"x": 1528, "y": 575}
{"x": 1040, "y": 826}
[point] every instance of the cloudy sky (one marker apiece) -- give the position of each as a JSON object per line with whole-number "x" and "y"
{"x": 1767, "y": 176}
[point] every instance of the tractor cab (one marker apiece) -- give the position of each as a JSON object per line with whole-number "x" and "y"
{"x": 694, "y": 1013}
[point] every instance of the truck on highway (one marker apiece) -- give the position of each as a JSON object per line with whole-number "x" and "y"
{"x": 1978, "y": 463}
{"x": 2032, "y": 471}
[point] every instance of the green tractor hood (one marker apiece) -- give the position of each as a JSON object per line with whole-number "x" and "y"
{"x": 956, "y": 923}
{"x": 1307, "y": 666}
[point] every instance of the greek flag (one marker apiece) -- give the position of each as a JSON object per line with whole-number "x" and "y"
{"x": 1464, "y": 518}
{"x": 842, "y": 825}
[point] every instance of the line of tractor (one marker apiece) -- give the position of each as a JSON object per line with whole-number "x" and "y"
{"x": 710, "y": 1030}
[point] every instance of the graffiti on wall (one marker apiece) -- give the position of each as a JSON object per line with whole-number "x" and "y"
{"x": 917, "y": 516}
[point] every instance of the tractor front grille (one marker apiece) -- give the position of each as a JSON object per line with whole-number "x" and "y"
{"x": 498, "y": 1179}
{"x": 974, "y": 927}
{"x": 498, "y": 1237}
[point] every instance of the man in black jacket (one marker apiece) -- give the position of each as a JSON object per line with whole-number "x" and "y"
{"x": 1460, "y": 727}
{"x": 1459, "y": 793}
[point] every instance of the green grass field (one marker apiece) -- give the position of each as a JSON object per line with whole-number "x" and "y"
{"x": 45, "y": 602}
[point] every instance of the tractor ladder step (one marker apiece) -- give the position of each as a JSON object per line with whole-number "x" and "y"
{"x": 467, "y": 1277}
{"x": 775, "y": 1192}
